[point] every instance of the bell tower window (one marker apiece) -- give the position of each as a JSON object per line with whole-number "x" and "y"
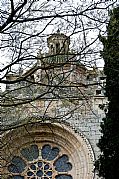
{"x": 57, "y": 47}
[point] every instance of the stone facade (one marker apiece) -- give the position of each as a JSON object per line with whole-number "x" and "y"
{"x": 65, "y": 118}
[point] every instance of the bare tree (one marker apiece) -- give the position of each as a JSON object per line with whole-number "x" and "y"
{"x": 25, "y": 26}
{"x": 42, "y": 84}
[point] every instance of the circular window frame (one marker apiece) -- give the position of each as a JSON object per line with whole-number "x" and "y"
{"x": 72, "y": 143}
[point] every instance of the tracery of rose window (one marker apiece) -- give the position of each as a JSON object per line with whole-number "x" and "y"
{"x": 40, "y": 163}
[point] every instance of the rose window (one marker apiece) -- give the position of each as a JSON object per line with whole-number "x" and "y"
{"x": 40, "y": 163}
{"x": 40, "y": 169}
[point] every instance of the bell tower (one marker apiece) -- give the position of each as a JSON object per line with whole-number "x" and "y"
{"x": 58, "y": 43}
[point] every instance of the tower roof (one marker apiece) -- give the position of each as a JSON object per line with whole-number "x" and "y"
{"x": 58, "y": 36}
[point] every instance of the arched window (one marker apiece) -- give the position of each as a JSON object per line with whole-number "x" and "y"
{"x": 57, "y": 48}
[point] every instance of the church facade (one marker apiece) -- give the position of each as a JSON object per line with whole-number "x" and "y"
{"x": 55, "y": 135}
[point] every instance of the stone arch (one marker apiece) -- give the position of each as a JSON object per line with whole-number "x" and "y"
{"x": 70, "y": 143}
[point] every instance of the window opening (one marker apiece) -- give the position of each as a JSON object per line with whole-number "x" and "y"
{"x": 42, "y": 163}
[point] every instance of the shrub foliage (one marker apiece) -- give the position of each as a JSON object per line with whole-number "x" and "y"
{"x": 108, "y": 163}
